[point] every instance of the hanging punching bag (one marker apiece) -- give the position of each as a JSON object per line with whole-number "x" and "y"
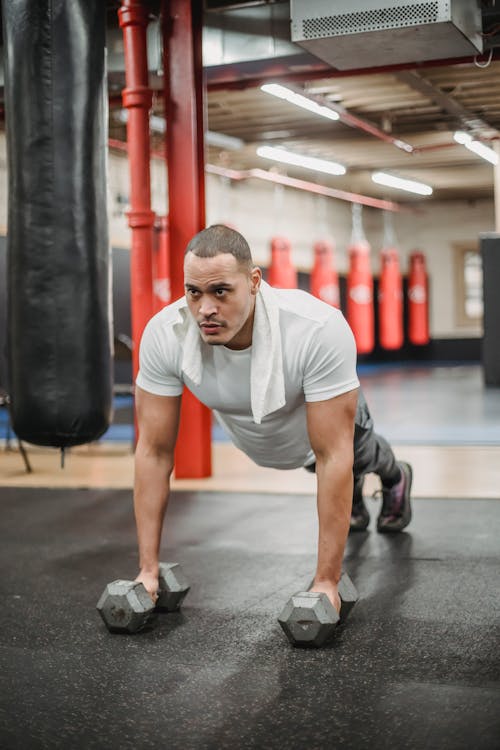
{"x": 418, "y": 313}
{"x": 390, "y": 300}
{"x": 59, "y": 337}
{"x": 324, "y": 278}
{"x": 360, "y": 314}
{"x": 282, "y": 272}
{"x": 359, "y": 311}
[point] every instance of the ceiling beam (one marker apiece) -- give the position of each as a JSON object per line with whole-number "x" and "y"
{"x": 447, "y": 103}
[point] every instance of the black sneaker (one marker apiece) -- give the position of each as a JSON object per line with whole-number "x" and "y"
{"x": 360, "y": 518}
{"x": 396, "y": 509}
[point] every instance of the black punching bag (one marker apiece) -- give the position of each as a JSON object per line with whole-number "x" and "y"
{"x": 59, "y": 313}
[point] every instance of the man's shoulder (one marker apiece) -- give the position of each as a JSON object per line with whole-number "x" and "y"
{"x": 296, "y": 303}
{"x": 164, "y": 331}
{"x": 169, "y": 315}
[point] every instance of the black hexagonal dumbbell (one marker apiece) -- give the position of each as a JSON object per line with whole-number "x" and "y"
{"x": 126, "y": 606}
{"x": 309, "y": 618}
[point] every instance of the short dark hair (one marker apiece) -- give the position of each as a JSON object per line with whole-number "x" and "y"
{"x": 221, "y": 239}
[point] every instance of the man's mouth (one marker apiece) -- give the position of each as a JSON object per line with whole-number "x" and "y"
{"x": 210, "y": 327}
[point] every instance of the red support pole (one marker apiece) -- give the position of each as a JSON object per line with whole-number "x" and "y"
{"x": 161, "y": 264}
{"x": 137, "y": 99}
{"x": 182, "y": 27}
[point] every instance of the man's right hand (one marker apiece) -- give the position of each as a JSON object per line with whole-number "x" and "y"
{"x": 150, "y": 583}
{"x": 330, "y": 588}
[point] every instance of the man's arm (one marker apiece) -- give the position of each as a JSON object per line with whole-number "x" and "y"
{"x": 158, "y": 422}
{"x": 331, "y": 433}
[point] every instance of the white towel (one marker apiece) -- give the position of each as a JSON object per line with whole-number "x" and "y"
{"x": 267, "y": 383}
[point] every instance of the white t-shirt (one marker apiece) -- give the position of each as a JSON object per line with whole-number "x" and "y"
{"x": 319, "y": 362}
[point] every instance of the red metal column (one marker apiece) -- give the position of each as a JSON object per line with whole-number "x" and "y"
{"x": 137, "y": 98}
{"x": 182, "y": 27}
{"x": 161, "y": 264}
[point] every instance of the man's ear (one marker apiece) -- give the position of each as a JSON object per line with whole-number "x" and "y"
{"x": 255, "y": 279}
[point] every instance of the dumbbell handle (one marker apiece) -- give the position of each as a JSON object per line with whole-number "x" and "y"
{"x": 172, "y": 587}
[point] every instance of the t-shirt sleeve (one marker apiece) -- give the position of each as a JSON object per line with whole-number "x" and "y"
{"x": 159, "y": 354}
{"x": 330, "y": 367}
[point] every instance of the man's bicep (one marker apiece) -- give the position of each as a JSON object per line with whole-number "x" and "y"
{"x": 157, "y": 420}
{"x": 330, "y": 423}
{"x": 159, "y": 362}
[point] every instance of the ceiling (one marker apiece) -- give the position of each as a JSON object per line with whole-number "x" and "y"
{"x": 247, "y": 44}
{"x": 421, "y": 107}
{"x": 421, "y": 104}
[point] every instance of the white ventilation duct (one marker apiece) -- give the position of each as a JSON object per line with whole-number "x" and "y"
{"x": 350, "y": 34}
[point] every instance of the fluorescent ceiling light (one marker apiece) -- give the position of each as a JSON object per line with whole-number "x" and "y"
{"x": 298, "y": 160}
{"x": 476, "y": 146}
{"x": 157, "y": 124}
{"x": 382, "y": 178}
{"x": 121, "y": 115}
{"x": 282, "y": 92}
{"x": 221, "y": 140}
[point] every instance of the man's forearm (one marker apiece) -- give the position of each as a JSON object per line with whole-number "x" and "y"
{"x": 151, "y": 491}
{"x": 335, "y": 487}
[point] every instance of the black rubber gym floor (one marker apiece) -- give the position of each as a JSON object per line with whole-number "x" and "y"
{"x": 416, "y": 666}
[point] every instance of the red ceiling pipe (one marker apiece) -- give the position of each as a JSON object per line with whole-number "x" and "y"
{"x": 182, "y": 27}
{"x": 297, "y": 68}
{"x": 280, "y": 179}
{"x": 310, "y": 187}
{"x": 137, "y": 99}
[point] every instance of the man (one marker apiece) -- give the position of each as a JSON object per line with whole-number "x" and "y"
{"x": 278, "y": 367}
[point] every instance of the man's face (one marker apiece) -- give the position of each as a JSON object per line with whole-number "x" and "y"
{"x": 221, "y": 298}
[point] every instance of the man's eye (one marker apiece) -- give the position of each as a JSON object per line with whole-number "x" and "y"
{"x": 193, "y": 293}
{"x": 220, "y": 292}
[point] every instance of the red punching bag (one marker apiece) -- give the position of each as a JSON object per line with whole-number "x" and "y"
{"x": 161, "y": 264}
{"x": 390, "y": 300}
{"x": 360, "y": 297}
{"x": 324, "y": 278}
{"x": 282, "y": 272}
{"x": 418, "y": 308}
{"x": 360, "y": 314}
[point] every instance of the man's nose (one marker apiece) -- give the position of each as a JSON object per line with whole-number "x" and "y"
{"x": 207, "y": 307}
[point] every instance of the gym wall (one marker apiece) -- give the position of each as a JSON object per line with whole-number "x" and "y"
{"x": 260, "y": 211}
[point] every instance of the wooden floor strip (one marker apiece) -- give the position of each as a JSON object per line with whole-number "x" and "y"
{"x": 440, "y": 472}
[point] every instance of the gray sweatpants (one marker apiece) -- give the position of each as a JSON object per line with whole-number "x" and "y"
{"x": 372, "y": 452}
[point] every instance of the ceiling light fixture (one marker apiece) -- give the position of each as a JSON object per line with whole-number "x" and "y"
{"x": 382, "y": 178}
{"x": 212, "y": 138}
{"x": 476, "y": 147}
{"x": 221, "y": 140}
{"x": 299, "y": 160}
{"x": 282, "y": 92}
{"x": 157, "y": 124}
